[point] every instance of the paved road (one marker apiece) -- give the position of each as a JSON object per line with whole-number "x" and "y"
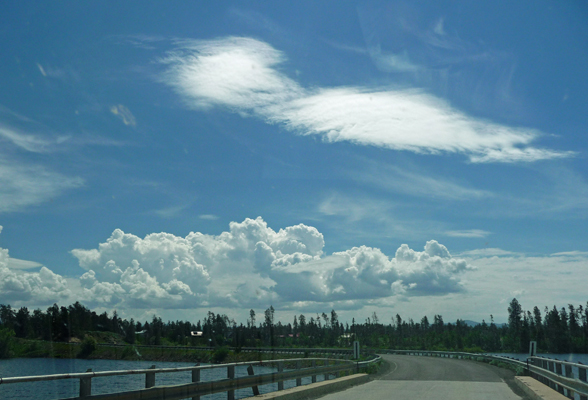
{"x": 412, "y": 377}
{"x": 414, "y": 368}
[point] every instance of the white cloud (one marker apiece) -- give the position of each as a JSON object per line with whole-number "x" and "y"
{"x": 392, "y": 62}
{"x": 402, "y": 180}
{"x": 252, "y": 264}
{"x": 157, "y": 270}
{"x": 24, "y": 185}
{"x": 15, "y": 263}
{"x": 353, "y": 209}
{"x": 26, "y": 141}
{"x": 41, "y": 287}
{"x": 367, "y": 273}
{"x": 438, "y": 29}
{"x": 210, "y": 217}
{"x": 535, "y": 281}
{"x": 489, "y": 252}
{"x": 48, "y": 143}
{"x": 571, "y": 254}
{"x": 124, "y": 114}
{"x": 468, "y": 233}
{"x": 233, "y": 72}
{"x": 170, "y": 212}
{"x": 41, "y": 70}
{"x": 242, "y": 74}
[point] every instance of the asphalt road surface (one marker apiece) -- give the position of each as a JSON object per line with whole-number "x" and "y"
{"x": 414, "y": 377}
{"x": 415, "y": 368}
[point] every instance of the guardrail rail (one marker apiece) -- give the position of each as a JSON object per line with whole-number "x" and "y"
{"x": 197, "y": 388}
{"x": 566, "y": 377}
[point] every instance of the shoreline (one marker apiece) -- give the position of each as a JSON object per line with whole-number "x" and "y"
{"x": 24, "y": 348}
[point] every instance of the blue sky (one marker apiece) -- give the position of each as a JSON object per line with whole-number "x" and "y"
{"x": 394, "y": 157}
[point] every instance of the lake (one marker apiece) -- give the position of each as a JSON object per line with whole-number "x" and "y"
{"x": 70, "y": 387}
{"x": 573, "y": 357}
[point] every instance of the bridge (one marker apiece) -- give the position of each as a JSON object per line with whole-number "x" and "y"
{"x": 406, "y": 374}
{"x": 458, "y": 375}
{"x": 437, "y": 378}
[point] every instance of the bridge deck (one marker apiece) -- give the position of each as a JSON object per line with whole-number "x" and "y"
{"x": 435, "y": 378}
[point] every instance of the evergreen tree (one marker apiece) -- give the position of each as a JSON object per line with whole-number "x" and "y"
{"x": 538, "y": 324}
{"x": 514, "y": 325}
{"x": 130, "y": 332}
{"x": 22, "y": 323}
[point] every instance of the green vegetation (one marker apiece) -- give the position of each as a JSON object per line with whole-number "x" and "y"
{"x": 372, "y": 368}
{"x": 6, "y": 336}
{"x": 75, "y": 331}
{"x": 89, "y": 345}
{"x": 220, "y": 354}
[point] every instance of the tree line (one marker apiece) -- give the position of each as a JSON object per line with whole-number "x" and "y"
{"x": 555, "y": 330}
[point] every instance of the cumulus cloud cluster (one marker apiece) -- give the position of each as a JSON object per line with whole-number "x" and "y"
{"x": 252, "y": 264}
{"x": 243, "y": 75}
{"x": 41, "y": 287}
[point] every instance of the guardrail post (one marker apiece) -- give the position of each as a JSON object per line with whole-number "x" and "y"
{"x": 231, "y": 375}
{"x": 313, "y": 365}
{"x": 338, "y": 373}
{"x": 280, "y": 369}
{"x": 326, "y": 365}
{"x": 86, "y": 385}
{"x": 298, "y": 366}
{"x": 196, "y": 378}
{"x": 569, "y": 372}
{"x": 254, "y": 388}
{"x": 150, "y": 378}
{"x": 582, "y": 377}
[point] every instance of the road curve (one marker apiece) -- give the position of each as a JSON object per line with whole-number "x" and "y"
{"x": 415, "y": 368}
{"x": 414, "y": 377}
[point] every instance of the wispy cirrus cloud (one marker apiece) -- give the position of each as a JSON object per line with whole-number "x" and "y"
{"x": 488, "y": 252}
{"x": 354, "y": 209}
{"x": 412, "y": 182}
{"x": 124, "y": 114}
{"x": 244, "y": 75}
{"x": 171, "y": 212}
{"x": 50, "y": 143}
{"x": 23, "y": 185}
{"x": 468, "y": 233}
{"x": 570, "y": 254}
{"x": 26, "y": 141}
{"x": 15, "y": 263}
{"x": 209, "y": 217}
{"x": 25, "y": 182}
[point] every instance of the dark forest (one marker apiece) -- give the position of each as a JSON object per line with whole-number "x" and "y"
{"x": 556, "y": 330}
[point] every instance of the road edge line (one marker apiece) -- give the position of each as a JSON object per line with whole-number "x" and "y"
{"x": 314, "y": 390}
{"x": 537, "y": 390}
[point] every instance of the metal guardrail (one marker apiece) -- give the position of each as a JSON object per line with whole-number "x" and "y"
{"x": 198, "y": 388}
{"x": 566, "y": 377}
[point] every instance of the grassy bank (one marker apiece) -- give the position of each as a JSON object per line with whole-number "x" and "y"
{"x": 92, "y": 349}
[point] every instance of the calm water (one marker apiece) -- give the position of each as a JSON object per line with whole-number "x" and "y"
{"x": 70, "y": 387}
{"x": 583, "y": 358}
